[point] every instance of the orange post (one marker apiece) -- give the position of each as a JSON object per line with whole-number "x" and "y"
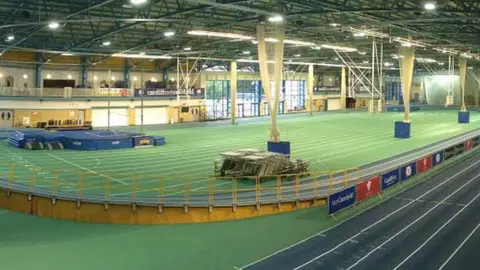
{"x": 161, "y": 191}
{"x": 32, "y": 180}
{"x": 187, "y": 190}
{"x": 257, "y": 189}
{"x": 279, "y": 188}
{"x": 297, "y": 186}
{"x": 234, "y": 191}
{"x": 330, "y": 181}
{"x": 80, "y": 180}
{"x": 135, "y": 188}
{"x": 210, "y": 190}
{"x": 315, "y": 187}
{"x": 55, "y": 183}
{"x": 11, "y": 174}
{"x": 107, "y": 188}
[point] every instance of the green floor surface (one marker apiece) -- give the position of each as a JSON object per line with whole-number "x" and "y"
{"x": 328, "y": 140}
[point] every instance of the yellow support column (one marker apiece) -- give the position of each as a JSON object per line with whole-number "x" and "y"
{"x": 131, "y": 117}
{"x": 233, "y": 87}
{"x": 343, "y": 90}
{"x": 310, "y": 88}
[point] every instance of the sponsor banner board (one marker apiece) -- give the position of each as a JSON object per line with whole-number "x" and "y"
{"x": 165, "y": 92}
{"x": 468, "y": 145}
{"x": 390, "y": 179}
{"x": 475, "y": 142}
{"x": 368, "y": 188}
{"x": 448, "y": 153}
{"x": 424, "y": 164}
{"x": 437, "y": 158}
{"x": 341, "y": 200}
{"x": 408, "y": 171}
{"x": 459, "y": 148}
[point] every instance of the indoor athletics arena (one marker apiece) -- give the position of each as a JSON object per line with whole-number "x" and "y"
{"x": 239, "y": 134}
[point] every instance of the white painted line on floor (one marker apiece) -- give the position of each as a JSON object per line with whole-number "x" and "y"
{"x": 413, "y": 222}
{"x": 365, "y": 229}
{"x": 437, "y": 231}
{"x": 459, "y": 247}
{"x": 86, "y": 169}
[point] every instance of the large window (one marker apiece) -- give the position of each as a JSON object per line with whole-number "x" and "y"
{"x": 248, "y": 98}
{"x": 218, "y": 99}
{"x": 295, "y": 95}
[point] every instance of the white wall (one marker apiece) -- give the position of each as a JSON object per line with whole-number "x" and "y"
{"x": 17, "y": 73}
{"x": 61, "y": 105}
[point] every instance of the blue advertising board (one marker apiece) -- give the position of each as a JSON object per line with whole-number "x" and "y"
{"x": 437, "y": 158}
{"x": 167, "y": 92}
{"x": 340, "y": 200}
{"x": 408, "y": 171}
{"x": 390, "y": 179}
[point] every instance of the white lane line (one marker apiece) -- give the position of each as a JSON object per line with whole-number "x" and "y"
{"x": 437, "y": 231}
{"x": 459, "y": 247}
{"x": 86, "y": 169}
{"x": 412, "y": 223}
{"x": 365, "y": 229}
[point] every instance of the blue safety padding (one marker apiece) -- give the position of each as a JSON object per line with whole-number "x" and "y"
{"x": 79, "y": 144}
{"x": 143, "y": 141}
{"x": 159, "y": 140}
{"x": 464, "y": 117}
{"x": 282, "y": 147}
{"x": 401, "y": 108}
{"x": 402, "y": 130}
{"x": 114, "y": 144}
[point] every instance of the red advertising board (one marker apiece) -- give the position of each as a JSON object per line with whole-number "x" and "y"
{"x": 424, "y": 164}
{"x": 368, "y": 188}
{"x": 468, "y": 145}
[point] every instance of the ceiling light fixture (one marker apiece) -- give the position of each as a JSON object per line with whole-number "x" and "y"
{"x": 359, "y": 34}
{"x": 334, "y": 24}
{"x": 169, "y": 33}
{"x": 122, "y": 55}
{"x": 246, "y": 52}
{"x": 187, "y": 49}
{"x": 275, "y": 18}
{"x": 339, "y": 48}
{"x": 138, "y": 2}
{"x": 10, "y": 37}
{"x": 219, "y": 34}
{"x": 106, "y": 43}
{"x": 429, "y": 6}
{"x": 53, "y": 25}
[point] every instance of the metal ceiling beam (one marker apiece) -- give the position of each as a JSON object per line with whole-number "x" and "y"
{"x": 232, "y": 6}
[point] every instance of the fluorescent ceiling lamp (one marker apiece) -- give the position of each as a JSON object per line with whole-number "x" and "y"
{"x": 429, "y": 6}
{"x": 335, "y": 24}
{"x": 298, "y": 42}
{"x": 145, "y": 56}
{"x": 275, "y": 18}
{"x": 255, "y": 41}
{"x": 425, "y": 60}
{"x": 53, "y": 25}
{"x": 271, "y": 40}
{"x": 67, "y": 54}
{"x": 365, "y": 62}
{"x": 219, "y": 34}
{"x": 297, "y": 55}
{"x": 362, "y": 52}
{"x": 106, "y": 43}
{"x": 187, "y": 49}
{"x": 359, "y": 34}
{"x": 441, "y": 63}
{"x": 387, "y": 64}
{"x": 169, "y": 33}
{"x": 10, "y": 37}
{"x": 138, "y": 2}
{"x": 246, "y": 52}
{"x": 339, "y": 48}
{"x": 317, "y": 47}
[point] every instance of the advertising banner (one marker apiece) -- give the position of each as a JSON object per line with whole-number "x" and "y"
{"x": 475, "y": 141}
{"x": 164, "y": 92}
{"x": 390, "y": 179}
{"x": 368, "y": 188}
{"x": 408, "y": 171}
{"x": 424, "y": 164}
{"x": 468, "y": 145}
{"x": 449, "y": 153}
{"x": 341, "y": 200}
{"x": 437, "y": 158}
{"x": 459, "y": 148}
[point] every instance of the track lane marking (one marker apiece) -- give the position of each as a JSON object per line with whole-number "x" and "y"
{"x": 413, "y": 222}
{"x": 459, "y": 247}
{"x": 365, "y": 229}
{"x": 437, "y": 231}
